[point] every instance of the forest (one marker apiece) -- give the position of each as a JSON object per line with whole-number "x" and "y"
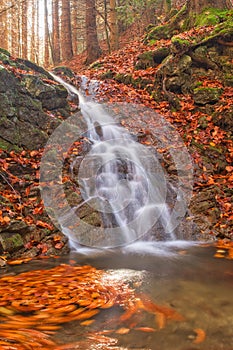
{"x": 116, "y": 174}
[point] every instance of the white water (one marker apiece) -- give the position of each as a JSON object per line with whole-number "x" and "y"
{"x": 115, "y": 177}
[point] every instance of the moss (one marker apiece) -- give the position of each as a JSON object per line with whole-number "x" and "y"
{"x": 64, "y": 70}
{"x": 5, "y": 52}
{"x": 107, "y": 75}
{"x": 96, "y": 65}
{"x": 124, "y": 78}
{"x": 179, "y": 44}
{"x": 178, "y": 40}
{"x": 203, "y": 122}
{"x": 11, "y": 243}
{"x": 145, "y": 60}
{"x": 228, "y": 80}
{"x": 205, "y": 95}
{"x": 8, "y": 146}
{"x": 158, "y": 33}
{"x": 211, "y": 16}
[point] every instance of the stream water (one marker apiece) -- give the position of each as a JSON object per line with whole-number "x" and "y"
{"x": 119, "y": 177}
{"x": 179, "y": 275}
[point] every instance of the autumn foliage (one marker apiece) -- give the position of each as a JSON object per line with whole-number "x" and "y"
{"x": 35, "y": 304}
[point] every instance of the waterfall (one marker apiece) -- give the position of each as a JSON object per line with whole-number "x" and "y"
{"x": 120, "y": 178}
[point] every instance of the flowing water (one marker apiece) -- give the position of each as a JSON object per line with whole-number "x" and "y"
{"x": 179, "y": 275}
{"x": 121, "y": 179}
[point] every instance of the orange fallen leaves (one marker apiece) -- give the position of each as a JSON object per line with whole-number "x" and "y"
{"x": 41, "y": 301}
{"x": 224, "y": 249}
{"x": 200, "y": 337}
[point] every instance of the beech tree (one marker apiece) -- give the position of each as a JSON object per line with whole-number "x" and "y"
{"x": 56, "y": 32}
{"x": 93, "y": 48}
{"x": 114, "y": 43}
{"x": 66, "y": 36}
{"x": 46, "y": 35}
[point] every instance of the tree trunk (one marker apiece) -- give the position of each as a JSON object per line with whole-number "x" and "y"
{"x": 56, "y": 32}
{"x": 24, "y": 29}
{"x": 74, "y": 25}
{"x": 15, "y": 25}
{"x": 114, "y": 42}
{"x": 46, "y": 35}
{"x": 66, "y": 37}
{"x": 93, "y": 48}
{"x": 197, "y": 6}
{"x": 106, "y": 24}
{"x": 33, "y": 32}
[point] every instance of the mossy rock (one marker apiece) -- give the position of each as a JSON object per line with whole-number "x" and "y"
{"x": 11, "y": 242}
{"x": 145, "y": 60}
{"x": 5, "y": 52}
{"x": 7, "y": 146}
{"x": 63, "y": 70}
{"x": 203, "y": 122}
{"x": 124, "y": 78}
{"x": 151, "y": 58}
{"x": 228, "y": 80}
{"x": 205, "y": 95}
{"x": 179, "y": 44}
{"x": 96, "y": 65}
{"x": 107, "y": 75}
{"x": 158, "y": 33}
{"x": 211, "y": 16}
{"x": 224, "y": 120}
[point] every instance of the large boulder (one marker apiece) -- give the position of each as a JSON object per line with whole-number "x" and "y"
{"x": 25, "y": 101}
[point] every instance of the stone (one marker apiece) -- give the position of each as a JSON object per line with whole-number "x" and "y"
{"x": 205, "y": 95}
{"x": 11, "y": 242}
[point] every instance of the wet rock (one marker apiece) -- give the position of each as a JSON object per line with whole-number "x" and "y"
{"x": 205, "y": 95}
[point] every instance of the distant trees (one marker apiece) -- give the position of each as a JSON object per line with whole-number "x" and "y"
{"x": 51, "y": 31}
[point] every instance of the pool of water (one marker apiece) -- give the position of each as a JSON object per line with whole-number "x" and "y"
{"x": 180, "y": 275}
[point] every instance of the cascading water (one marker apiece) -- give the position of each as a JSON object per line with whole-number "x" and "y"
{"x": 119, "y": 178}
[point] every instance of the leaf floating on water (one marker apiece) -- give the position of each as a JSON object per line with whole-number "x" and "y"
{"x": 123, "y": 330}
{"x": 6, "y": 311}
{"x": 160, "y": 320}
{"x": 145, "y": 329}
{"x": 200, "y": 337}
{"x": 87, "y": 322}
